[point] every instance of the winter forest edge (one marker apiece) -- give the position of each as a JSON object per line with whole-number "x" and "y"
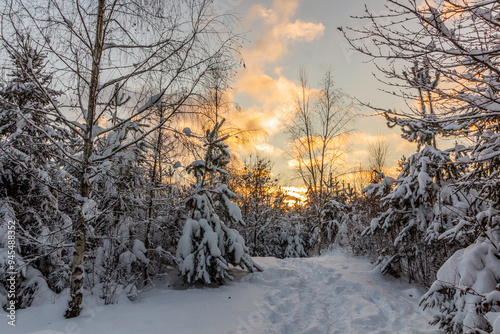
{"x": 116, "y": 130}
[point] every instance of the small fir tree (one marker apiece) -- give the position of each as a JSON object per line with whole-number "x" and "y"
{"x": 207, "y": 246}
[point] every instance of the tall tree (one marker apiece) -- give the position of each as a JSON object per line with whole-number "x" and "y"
{"x": 457, "y": 41}
{"x": 97, "y": 45}
{"x": 31, "y": 181}
{"x": 318, "y": 134}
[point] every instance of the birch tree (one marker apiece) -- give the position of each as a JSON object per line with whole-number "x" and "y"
{"x": 318, "y": 132}
{"x": 95, "y": 45}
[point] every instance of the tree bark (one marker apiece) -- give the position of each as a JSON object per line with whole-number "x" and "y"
{"x": 77, "y": 269}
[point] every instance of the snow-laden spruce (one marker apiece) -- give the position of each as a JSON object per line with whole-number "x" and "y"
{"x": 207, "y": 245}
{"x": 31, "y": 179}
{"x": 413, "y": 207}
{"x": 457, "y": 42}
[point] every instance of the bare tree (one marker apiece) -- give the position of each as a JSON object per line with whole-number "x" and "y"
{"x": 96, "y": 45}
{"x": 360, "y": 177}
{"x": 378, "y": 150}
{"x": 318, "y": 134}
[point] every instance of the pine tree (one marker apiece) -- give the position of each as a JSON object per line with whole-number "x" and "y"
{"x": 207, "y": 246}
{"x": 31, "y": 181}
{"x": 411, "y": 210}
{"x": 457, "y": 40}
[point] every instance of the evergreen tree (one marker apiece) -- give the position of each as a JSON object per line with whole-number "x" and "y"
{"x": 207, "y": 246}
{"x": 115, "y": 245}
{"x": 31, "y": 180}
{"x": 458, "y": 40}
{"x": 411, "y": 209}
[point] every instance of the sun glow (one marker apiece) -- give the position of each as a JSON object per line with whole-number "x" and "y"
{"x": 295, "y": 195}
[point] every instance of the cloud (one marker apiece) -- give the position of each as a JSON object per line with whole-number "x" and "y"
{"x": 360, "y": 142}
{"x": 303, "y": 31}
{"x": 295, "y": 194}
{"x": 269, "y": 149}
{"x": 397, "y": 144}
{"x": 277, "y": 30}
{"x": 261, "y": 84}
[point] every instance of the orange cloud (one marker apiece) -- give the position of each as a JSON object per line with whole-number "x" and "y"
{"x": 360, "y": 154}
{"x": 295, "y": 195}
{"x": 269, "y": 149}
{"x": 278, "y": 30}
{"x": 262, "y": 82}
{"x": 304, "y": 31}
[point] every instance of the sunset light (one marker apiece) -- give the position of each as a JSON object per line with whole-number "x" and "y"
{"x": 295, "y": 195}
{"x": 249, "y": 166}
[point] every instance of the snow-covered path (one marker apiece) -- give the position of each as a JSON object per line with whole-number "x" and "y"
{"x": 329, "y": 294}
{"x": 335, "y": 294}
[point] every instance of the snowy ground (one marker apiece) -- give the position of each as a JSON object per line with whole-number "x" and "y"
{"x": 329, "y": 294}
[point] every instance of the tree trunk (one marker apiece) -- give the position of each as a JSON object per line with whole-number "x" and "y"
{"x": 74, "y": 306}
{"x": 77, "y": 269}
{"x": 155, "y": 182}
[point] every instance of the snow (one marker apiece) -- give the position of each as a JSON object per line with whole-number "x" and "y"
{"x": 469, "y": 274}
{"x": 233, "y": 210}
{"x": 153, "y": 100}
{"x": 496, "y": 324}
{"x": 210, "y": 238}
{"x": 329, "y": 294}
{"x": 89, "y": 208}
{"x": 185, "y": 246}
{"x": 140, "y": 250}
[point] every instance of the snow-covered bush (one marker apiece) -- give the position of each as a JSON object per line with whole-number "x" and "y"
{"x": 115, "y": 246}
{"x": 332, "y": 217}
{"x": 413, "y": 207}
{"x": 30, "y": 285}
{"x": 468, "y": 287}
{"x": 294, "y": 241}
{"x": 117, "y": 264}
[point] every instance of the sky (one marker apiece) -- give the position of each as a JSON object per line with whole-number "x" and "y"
{"x": 284, "y": 35}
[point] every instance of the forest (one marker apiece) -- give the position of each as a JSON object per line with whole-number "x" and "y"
{"x": 117, "y": 132}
